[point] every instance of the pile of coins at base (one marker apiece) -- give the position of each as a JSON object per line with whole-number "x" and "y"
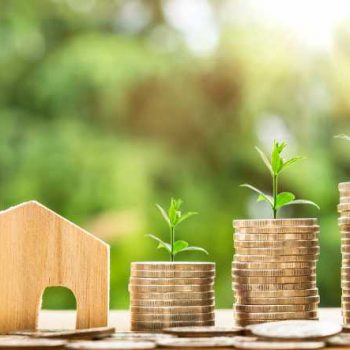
{"x": 171, "y": 294}
{"x": 344, "y": 225}
{"x": 283, "y": 335}
{"x": 274, "y": 270}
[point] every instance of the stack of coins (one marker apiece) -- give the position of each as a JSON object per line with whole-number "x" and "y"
{"x": 344, "y": 225}
{"x": 274, "y": 270}
{"x": 174, "y": 294}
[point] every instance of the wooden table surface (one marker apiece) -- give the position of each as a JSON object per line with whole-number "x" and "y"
{"x": 120, "y": 319}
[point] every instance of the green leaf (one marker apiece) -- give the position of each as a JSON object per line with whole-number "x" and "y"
{"x": 264, "y": 158}
{"x": 192, "y": 248}
{"x": 174, "y": 211}
{"x": 164, "y": 214}
{"x": 264, "y": 198}
{"x": 161, "y": 244}
{"x": 276, "y": 159}
{"x": 303, "y": 201}
{"x": 343, "y": 137}
{"x": 186, "y": 216}
{"x": 262, "y": 194}
{"x": 283, "y": 199}
{"x": 179, "y": 246}
{"x": 290, "y": 162}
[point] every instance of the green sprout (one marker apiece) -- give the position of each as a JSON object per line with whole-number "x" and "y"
{"x": 276, "y": 166}
{"x": 173, "y": 218}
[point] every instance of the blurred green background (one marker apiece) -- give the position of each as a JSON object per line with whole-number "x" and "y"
{"x": 108, "y": 107}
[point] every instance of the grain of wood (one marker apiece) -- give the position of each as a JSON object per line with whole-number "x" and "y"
{"x": 41, "y": 249}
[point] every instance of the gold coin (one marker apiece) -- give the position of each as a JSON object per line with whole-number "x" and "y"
{"x": 340, "y": 340}
{"x": 172, "y": 317}
{"x": 274, "y": 222}
{"x": 275, "y": 315}
{"x": 345, "y": 312}
{"x": 345, "y": 258}
{"x": 274, "y": 279}
{"x": 344, "y": 199}
{"x": 345, "y": 248}
{"x": 170, "y": 281}
{"x": 274, "y": 236}
{"x": 276, "y": 258}
{"x": 193, "y": 332}
{"x": 296, "y": 330}
{"x": 344, "y": 222}
{"x": 172, "y": 274}
{"x": 344, "y": 186}
{"x": 276, "y": 244}
{"x": 343, "y": 207}
{"x": 345, "y": 284}
{"x": 344, "y": 193}
{"x": 346, "y": 299}
{"x": 273, "y": 273}
{"x": 172, "y": 303}
{"x": 144, "y": 326}
{"x": 172, "y": 296}
{"x": 274, "y": 308}
{"x": 278, "y": 301}
{"x": 265, "y": 344}
{"x": 274, "y": 265}
{"x": 276, "y": 293}
{"x": 274, "y": 286}
{"x": 278, "y": 251}
{"x": 280, "y": 231}
{"x": 170, "y": 289}
{"x": 345, "y": 214}
{"x": 173, "y": 266}
{"x": 172, "y": 310}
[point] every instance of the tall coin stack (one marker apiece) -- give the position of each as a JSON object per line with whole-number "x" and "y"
{"x": 174, "y": 294}
{"x": 344, "y": 225}
{"x": 274, "y": 270}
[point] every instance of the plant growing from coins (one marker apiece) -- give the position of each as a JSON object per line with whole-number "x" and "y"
{"x": 174, "y": 217}
{"x": 276, "y": 165}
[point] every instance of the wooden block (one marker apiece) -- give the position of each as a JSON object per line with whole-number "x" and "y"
{"x": 40, "y": 249}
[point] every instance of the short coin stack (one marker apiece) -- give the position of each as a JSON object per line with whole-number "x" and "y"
{"x": 174, "y": 294}
{"x": 274, "y": 270}
{"x": 344, "y": 225}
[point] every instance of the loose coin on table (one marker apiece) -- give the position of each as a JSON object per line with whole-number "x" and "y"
{"x": 266, "y": 345}
{"x": 342, "y": 339}
{"x": 189, "y": 343}
{"x": 111, "y": 345}
{"x": 204, "y": 331}
{"x": 68, "y": 334}
{"x": 30, "y": 343}
{"x": 296, "y": 329}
